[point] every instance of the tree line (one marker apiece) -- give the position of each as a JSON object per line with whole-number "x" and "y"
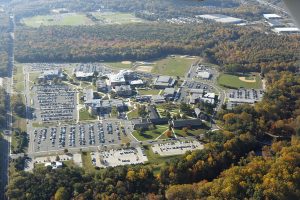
{"x": 236, "y": 49}
{"x": 2, "y": 108}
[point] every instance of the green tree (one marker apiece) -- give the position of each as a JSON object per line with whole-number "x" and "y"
{"x": 62, "y": 194}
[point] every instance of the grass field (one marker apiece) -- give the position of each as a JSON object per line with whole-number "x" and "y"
{"x": 192, "y": 132}
{"x": 116, "y": 18}
{"x": 156, "y": 161}
{"x": 87, "y": 162}
{"x": 233, "y": 81}
{"x": 148, "y": 92}
{"x": 119, "y": 65}
{"x": 151, "y": 134}
{"x": 85, "y": 115}
{"x": 68, "y": 19}
{"x": 133, "y": 114}
{"x": 33, "y": 78}
{"x": 77, "y": 19}
{"x": 18, "y": 78}
{"x": 173, "y": 66}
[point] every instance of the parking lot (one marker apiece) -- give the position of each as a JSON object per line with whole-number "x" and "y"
{"x": 77, "y": 136}
{"x": 54, "y": 103}
{"x": 176, "y": 148}
{"x": 112, "y": 158}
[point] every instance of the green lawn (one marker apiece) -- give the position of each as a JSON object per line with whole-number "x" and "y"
{"x": 173, "y": 66}
{"x": 133, "y": 114}
{"x": 119, "y": 65}
{"x": 192, "y": 132}
{"x": 155, "y": 160}
{"x": 168, "y": 106}
{"x": 85, "y": 115}
{"x": 116, "y": 18}
{"x": 232, "y": 81}
{"x": 19, "y": 78}
{"x": 150, "y": 134}
{"x": 148, "y": 92}
{"x": 87, "y": 162}
{"x": 68, "y": 19}
{"x": 33, "y": 77}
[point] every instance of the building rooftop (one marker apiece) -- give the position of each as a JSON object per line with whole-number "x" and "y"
{"x": 123, "y": 88}
{"x": 271, "y": 16}
{"x": 209, "y": 95}
{"x": 204, "y": 74}
{"x": 163, "y": 79}
{"x": 169, "y": 91}
{"x": 116, "y": 78}
{"x": 88, "y": 70}
{"x": 221, "y": 18}
{"x": 229, "y": 20}
{"x": 245, "y": 96}
{"x": 186, "y": 122}
{"x": 88, "y": 95}
{"x": 286, "y": 29}
{"x": 137, "y": 82}
{"x": 153, "y": 114}
{"x": 158, "y": 98}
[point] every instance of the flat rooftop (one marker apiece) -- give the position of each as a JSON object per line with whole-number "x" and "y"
{"x": 271, "y": 16}
{"x": 221, "y": 18}
{"x": 286, "y": 29}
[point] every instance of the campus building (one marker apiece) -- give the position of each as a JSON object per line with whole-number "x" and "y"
{"x": 123, "y": 90}
{"x": 87, "y": 71}
{"x": 163, "y": 82}
{"x": 243, "y": 96}
{"x": 51, "y": 74}
{"x": 189, "y": 123}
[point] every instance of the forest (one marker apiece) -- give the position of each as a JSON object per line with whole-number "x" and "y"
{"x": 233, "y": 165}
{"x": 273, "y": 176}
{"x": 151, "y": 10}
{"x": 236, "y": 49}
{"x": 2, "y": 108}
{"x": 3, "y": 43}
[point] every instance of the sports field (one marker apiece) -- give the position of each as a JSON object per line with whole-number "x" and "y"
{"x": 116, "y": 18}
{"x": 66, "y": 19}
{"x": 173, "y": 66}
{"x": 235, "y": 81}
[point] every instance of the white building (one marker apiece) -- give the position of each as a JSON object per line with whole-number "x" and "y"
{"x": 136, "y": 83}
{"x": 203, "y": 74}
{"x": 221, "y": 18}
{"x": 243, "y": 96}
{"x": 286, "y": 30}
{"x": 272, "y": 16}
{"x": 117, "y": 79}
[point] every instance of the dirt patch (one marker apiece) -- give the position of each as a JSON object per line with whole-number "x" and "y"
{"x": 144, "y": 68}
{"x": 126, "y": 62}
{"x": 247, "y": 80}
